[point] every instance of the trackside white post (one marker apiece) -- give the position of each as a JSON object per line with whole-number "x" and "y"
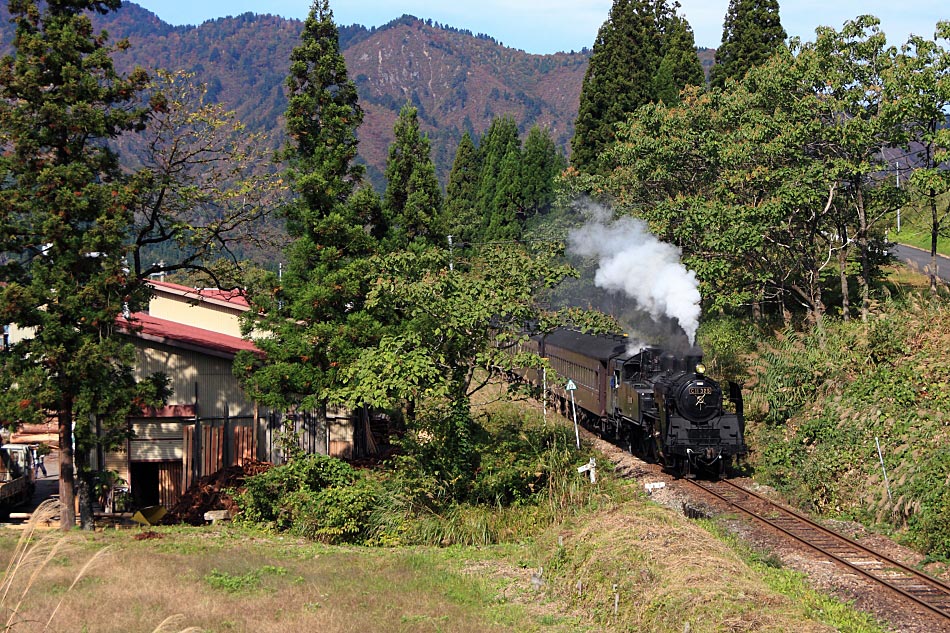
{"x": 880, "y": 456}
{"x": 590, "y": 467}
{"x": 571, "y": 387}
{"x": 577, "y": 433}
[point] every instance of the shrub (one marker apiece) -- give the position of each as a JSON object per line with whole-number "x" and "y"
{"x": 274, "y": 497}
{"x": 338, "y": 514}
{"x": 727, "y": 343}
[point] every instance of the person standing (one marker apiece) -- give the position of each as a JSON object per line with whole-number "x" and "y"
{"x": 39, "y": 456}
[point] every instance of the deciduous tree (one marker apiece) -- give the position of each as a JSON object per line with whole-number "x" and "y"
{"x": 445, "y": 347}
{"x": 919, "y": 85}
{"x": 205, "y": 187}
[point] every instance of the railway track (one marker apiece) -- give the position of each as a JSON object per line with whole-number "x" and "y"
{"x": 930, "y": 594}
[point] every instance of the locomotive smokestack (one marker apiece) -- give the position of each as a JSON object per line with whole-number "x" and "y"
{"x": 693, "y": 358}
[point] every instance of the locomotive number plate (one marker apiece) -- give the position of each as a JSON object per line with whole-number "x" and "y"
{"x": 700, "y": 391}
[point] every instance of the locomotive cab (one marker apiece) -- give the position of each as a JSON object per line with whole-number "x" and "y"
{"x": 634, "y": 379}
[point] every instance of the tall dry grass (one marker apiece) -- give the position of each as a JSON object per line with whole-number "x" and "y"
{"x": 36, "y": 548}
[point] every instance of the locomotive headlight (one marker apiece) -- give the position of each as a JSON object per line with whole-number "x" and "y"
{"x": 700, "y": 368}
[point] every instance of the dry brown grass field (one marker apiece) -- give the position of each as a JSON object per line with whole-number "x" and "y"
{"x": 659, "y": 571}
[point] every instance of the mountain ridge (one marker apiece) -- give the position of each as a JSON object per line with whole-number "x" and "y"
{"x": 458, "y": 81}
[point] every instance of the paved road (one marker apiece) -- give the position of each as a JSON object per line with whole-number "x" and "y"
{"x": 920, "y": 260}
{"x": 47, "y": 486}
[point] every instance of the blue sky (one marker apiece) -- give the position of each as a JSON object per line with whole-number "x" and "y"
{"x": 547, "y": 26}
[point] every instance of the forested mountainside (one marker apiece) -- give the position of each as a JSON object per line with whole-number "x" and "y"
{"x": 457, "y": 80}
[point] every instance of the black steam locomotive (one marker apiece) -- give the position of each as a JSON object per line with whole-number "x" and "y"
{"x": 651, "y": 401}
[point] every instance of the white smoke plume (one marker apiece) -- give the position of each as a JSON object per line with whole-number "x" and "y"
{"x": 633, "y": 261}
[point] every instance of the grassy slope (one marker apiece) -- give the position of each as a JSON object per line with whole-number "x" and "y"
{"x": 915, "y": 231}
{"x": 834, "y": 394}
{"x": 662, "y": 569}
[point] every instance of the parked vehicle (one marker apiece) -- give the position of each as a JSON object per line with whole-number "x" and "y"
{"x": 16, "y": 477}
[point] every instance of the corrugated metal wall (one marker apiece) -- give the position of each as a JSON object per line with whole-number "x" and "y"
{"x": 156, "y": 441}
{"x": 195, "y": 378}
{"x": 205, "y": 315}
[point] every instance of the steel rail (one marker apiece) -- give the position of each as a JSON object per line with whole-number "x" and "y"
{"x": 932, "y": 585}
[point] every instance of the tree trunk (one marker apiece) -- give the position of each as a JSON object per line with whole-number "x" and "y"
{"x": 865, "y": 275}
{"x": 843, "y": 276}
{"x": 67, "y": 483}
{"x": 87, "y": 519}
{"x": 84, "y": 492}
{"x": 934, "y": 234}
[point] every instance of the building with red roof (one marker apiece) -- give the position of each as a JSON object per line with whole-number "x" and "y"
{"x": 192, "y": 336}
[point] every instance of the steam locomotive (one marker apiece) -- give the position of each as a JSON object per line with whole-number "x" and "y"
{"x": 651, "y": 401}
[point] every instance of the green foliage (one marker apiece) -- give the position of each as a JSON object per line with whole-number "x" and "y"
{"x": 846, "y": 388}
{"x": 920, "y": 79}
{"x": 314, "y": 495}
{"x": 623, "y": 72}
{"x": 314, "y": 314}
{"x": 751, "y": 32}
{"x": 680, "y": 66}
{"x": 461, "y": 193}
{"x": 413, "y": 201}
{"x": 727, "y": 343}
{"x": 454, "y": 481}
{"x": 928, "y": 512}
{"x": 772, "y": 195}
{"x": 499, "y": 155}
{"x": 241, "y": 583}
{"x": 335, "y": 514}
{"x": 801, "y": 365}
{"x": 542, "y": 163}
{"x": 66, "y": 214}
{"x": 442, "y": 453}
{"x": 449, "y": 318}
{"x": 205, "y": 183}
{"x": 494, "y": 190}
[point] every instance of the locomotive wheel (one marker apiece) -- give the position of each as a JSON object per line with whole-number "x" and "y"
{"x": 651, "y": 451}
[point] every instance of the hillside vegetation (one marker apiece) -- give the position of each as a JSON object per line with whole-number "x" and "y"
{"x": 824, "y": 399}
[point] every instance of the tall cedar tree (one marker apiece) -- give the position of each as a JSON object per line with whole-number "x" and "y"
{"x": 680, "y": 66}
{"x": 461, "y": 193}
{"x": 316, "y": 317}
{"x": 500, "y": 157}
{"x": 541, "y": 164}
{"x": 65, "y": 217}
{"x": 751, "y": 32}
{"x": 412, "y": 204}
{"x": 620, "y": 76}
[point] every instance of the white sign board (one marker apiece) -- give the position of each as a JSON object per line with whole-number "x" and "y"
{"x": 570, "y": 385}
